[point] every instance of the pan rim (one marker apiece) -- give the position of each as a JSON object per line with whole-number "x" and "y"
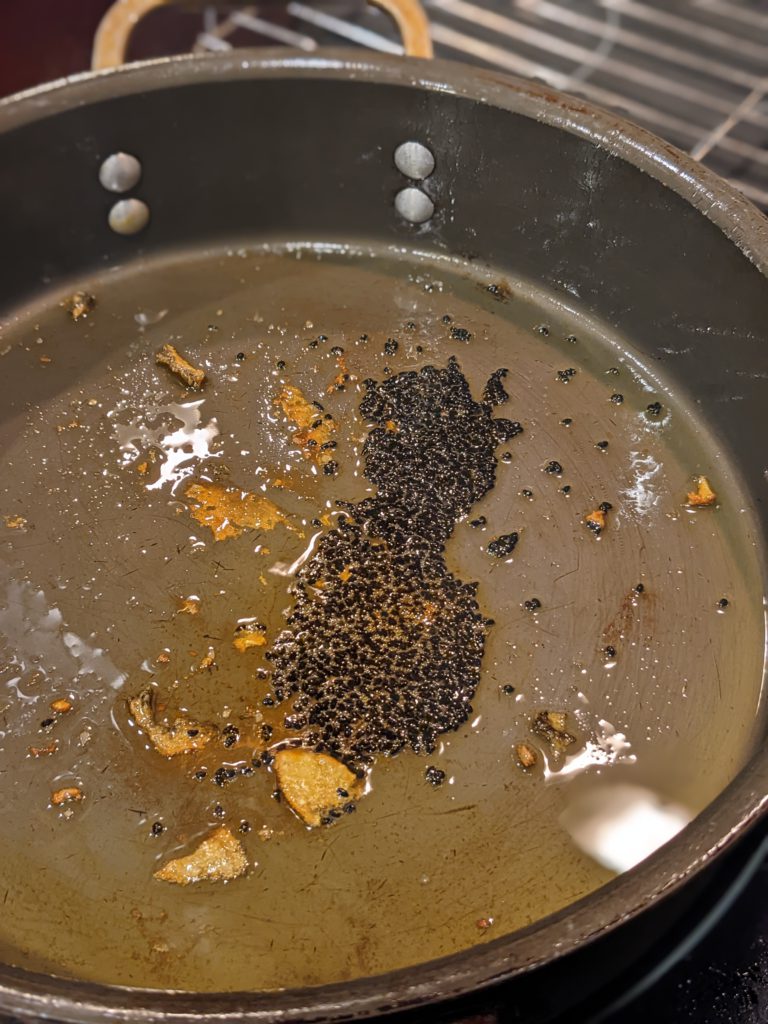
{"x": 746, "y": 798}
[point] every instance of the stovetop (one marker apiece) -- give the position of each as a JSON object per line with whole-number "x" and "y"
{"x": 696, "y": 73}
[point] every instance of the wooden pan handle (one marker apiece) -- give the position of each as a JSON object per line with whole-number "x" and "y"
{"x": 111, "y": 40}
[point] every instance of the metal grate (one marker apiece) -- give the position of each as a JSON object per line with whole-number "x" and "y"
{"x": 694, "y": 71}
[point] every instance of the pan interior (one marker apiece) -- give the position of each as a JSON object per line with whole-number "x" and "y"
{"x": 649, "y": 635}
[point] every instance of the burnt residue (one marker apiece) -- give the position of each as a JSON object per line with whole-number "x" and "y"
{"x": 504, "y": 545}
{"x": 383, "y": 641}
{"x": 494, "y": 393}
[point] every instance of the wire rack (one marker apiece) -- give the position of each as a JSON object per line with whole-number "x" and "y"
{"x": 693, "y": 71}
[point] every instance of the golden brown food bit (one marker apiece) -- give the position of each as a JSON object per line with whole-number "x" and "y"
{"x": 66, "y": 795}
{"x": 342, "y": 378}
{"x": 314, "y": 785}
{"x": 15, "y": 522}
{"x": 218, "y": 858}
{"x": 552, "y": 727}
{"x": 188, "y": 605}
{"x": 228, "y": 511}
{"x": 190, "y": 375}
{"x": 143, "y": 468}
{"x": 596, "y": 521}
{"x": 703, "y": 495}
{"x": 52, "y": 747}
{"x": 249, "y": 634}
{"x": 80, "y": 305}
{"x": 209, "y": 659}
{"x": 526, "y": 755}
{"x": 184, "y": 736}
{"x": 61, "y": 705}
{"x": 315, "y": 428}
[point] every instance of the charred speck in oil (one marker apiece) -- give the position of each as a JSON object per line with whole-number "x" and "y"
{"x": 223, "y": 775}
{"x": 526, "y": 493}
{"x": 543, "y": 329}
{"x": 460, "y": 334}
{"x": 434, "y": 776}
{"x": 640, "y": 588}
{"x": 268, "y": 701}
{"x": 391, "y": 346}
{"x": 566, "y": 489}
{"x": 157, "y": 828}
{"x": 613, "y": 371}
{"x": 337, "y": 350}
{"x": 617, "y": 399}
{"x": 532, "y": 605}
{"x": 553, "y": 467}
{"x": 566, "y": 422}
{"x": 572, "y": 339}
{"x": 312, "y": 343}
{"x": 267, "y": 758}
{"x": 245, "y": 769}
{"x": 331, "y": 468}
{"x": 503, "y": 545}
{"x": 723, "y": 602}
{"x": 609, "y": 651}
{"x": 390, "y": 658}
{"x": 280, "y": 364}
{"x": 498, "y": 291}
{"x": 231, "y": 734}
{"x": 602, "y": 445}
{"x": 240, "y": 356}
{"x": 200, "y": 774}
{"x": 363, "y": 337}
{"x": 411, "y": 325}
{"x": 654, "y": 409}
{"x": 244, "y": 827}
{"x": 218, "y": 811}
{"x": 46, "y": 724}
{"x": 266, "y": 732}
{"x": 566, "y": 375}
{"x": 493, "y": 392}
{"x": 447, "y": 319}
{"x": 349, "y": 808}
{"x": 477, "y": 523}
{"x": 506, "y": 456}
{"x": 212, "y": 327}
{"x": 508, "y": 689}
{"x": 419, "y": 349}
{"x": 342, "y": 793}
{"x": 605, "y": 506}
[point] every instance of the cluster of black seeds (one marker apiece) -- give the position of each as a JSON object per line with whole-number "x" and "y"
{"x": 383, "y": 646}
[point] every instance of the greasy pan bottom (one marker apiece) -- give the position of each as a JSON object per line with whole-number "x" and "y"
{"x": 625, "y": 630}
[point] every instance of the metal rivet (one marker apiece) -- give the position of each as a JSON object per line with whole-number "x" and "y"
{"x": 414, "y": 205}
{"x": 128, "y": 216}
{"x": 414, "y": 160}
{"x": 120, "y": 172}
